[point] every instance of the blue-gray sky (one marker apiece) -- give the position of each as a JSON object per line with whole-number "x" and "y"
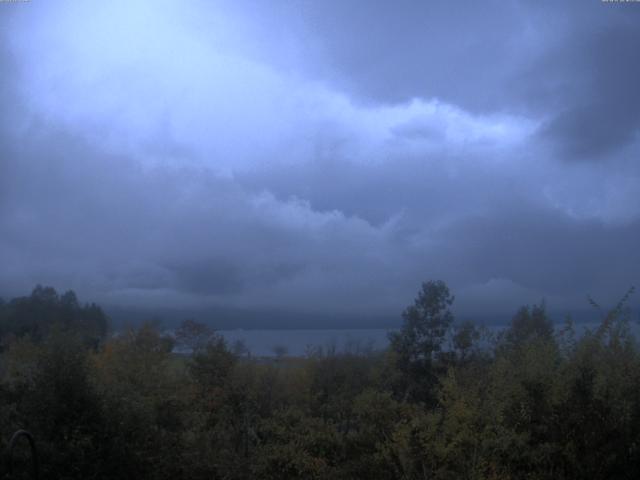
{"x": 320, "y": 157}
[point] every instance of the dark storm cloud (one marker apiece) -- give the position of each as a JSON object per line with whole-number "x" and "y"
{"x": 215, "y": 276}
{"x": 105, "y": 226}
{"x": 325, "y": 168}
{"x": 392, "y": 52}
{"x": 603, "y": 113}
{"x": 480, "y": 224}
{"x": 573, "y": 62}
{"x": 544, "y": 251}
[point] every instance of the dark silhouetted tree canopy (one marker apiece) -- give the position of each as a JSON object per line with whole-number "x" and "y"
{"x": 420, "y": 340}
{"x": 37, "y": 314}
{"x": 443, "y": 402}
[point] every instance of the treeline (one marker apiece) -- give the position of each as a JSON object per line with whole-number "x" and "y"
{"x": 444, "y": 401}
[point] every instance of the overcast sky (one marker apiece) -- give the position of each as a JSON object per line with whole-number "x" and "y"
{"x": 320, "y": 157}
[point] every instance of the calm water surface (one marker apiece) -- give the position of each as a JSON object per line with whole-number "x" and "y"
{"x": 298, "y": 342}
{"x": 263, "y": 343}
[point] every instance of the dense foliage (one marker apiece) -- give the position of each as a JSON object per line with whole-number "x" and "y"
{"x": 445, "y": 401}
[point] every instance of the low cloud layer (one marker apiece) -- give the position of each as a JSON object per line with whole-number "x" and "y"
{"x": 323, "y": 158}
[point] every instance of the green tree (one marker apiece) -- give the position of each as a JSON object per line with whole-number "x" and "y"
{"x": 145, "y": 399}
{"x": 528, "y": 324}
{"x": 418, "y": 344}
{"x": 63, "y": 410}
{"x": 193, "y": 335}
{"x": 45, "y": 310}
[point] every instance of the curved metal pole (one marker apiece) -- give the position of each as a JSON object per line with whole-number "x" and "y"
{"x": 34, "y": 451}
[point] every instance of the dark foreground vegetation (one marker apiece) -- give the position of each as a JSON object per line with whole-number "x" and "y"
{"x": 444, "y": 402}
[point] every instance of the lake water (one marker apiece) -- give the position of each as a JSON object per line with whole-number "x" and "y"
{"x": 262, "y": 343}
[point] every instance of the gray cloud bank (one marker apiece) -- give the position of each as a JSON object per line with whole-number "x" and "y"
{"x": 320, "y": 158}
